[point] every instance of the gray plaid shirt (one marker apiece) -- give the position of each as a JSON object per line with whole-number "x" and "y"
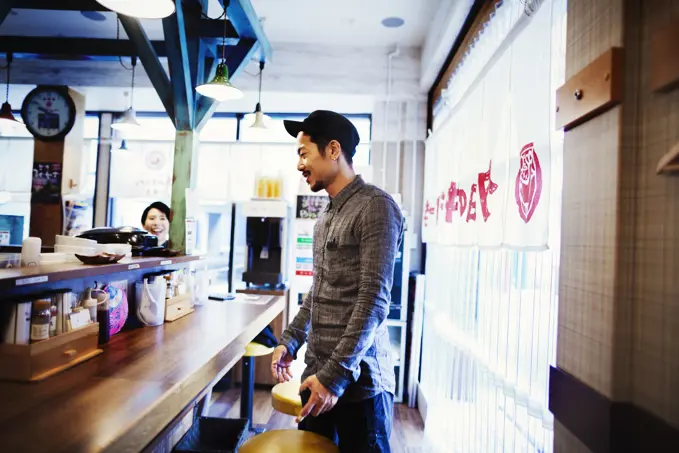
{"x": 342, "y": 318}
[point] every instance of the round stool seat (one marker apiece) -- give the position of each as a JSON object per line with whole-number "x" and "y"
{"x": 288, "y": 441}
{"x": 253, "y": 349}
{"x": 285, "y": 398}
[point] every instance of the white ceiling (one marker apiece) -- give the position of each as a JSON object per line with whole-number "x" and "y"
{"x": 343, "y": 23}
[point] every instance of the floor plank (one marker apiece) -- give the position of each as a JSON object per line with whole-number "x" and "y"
{"x": 407, "y": 432}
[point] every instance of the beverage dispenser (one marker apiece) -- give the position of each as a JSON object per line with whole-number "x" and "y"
{"x": 266, "y": 239}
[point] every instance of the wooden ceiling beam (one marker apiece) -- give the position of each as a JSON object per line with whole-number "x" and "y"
{"x": 62, "y": 5}
{"x": 73, "y": 48}
{"x": 5, "y": 8}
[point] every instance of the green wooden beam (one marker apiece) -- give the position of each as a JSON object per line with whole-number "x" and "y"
{"x": 183, "y": 177}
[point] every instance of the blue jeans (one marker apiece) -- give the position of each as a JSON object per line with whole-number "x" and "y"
{"x": 356, "y": 427}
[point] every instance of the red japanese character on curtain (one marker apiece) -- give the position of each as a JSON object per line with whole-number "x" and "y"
{"x": 528, "y": 183}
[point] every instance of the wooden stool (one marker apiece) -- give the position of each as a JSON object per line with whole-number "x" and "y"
{"x": 288, "y": 441}
{"x": 247, "y": 385}
{"x": 285, "y": 398}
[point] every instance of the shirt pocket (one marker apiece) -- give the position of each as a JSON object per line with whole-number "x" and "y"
{"x": 342, "y": 259}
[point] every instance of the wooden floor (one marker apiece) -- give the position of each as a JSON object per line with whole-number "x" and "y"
{"x": 407, "y": 433}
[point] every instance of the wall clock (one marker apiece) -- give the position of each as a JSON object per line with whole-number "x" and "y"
{"x": 48, "y": 112}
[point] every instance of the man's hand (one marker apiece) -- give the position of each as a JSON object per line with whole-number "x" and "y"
{"x": 321, "y": 400}
{"x": 280, "y": 364}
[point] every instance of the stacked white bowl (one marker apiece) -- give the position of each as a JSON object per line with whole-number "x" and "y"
{"x": 72, "y": 246}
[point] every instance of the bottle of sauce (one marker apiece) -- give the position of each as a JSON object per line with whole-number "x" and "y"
{"x": 40, "y": 320}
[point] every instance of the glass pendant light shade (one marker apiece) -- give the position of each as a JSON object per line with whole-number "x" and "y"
{"x": 220, "y": 87}
{"x": 257, "y": 120}
{"x": 6, "y": 114}
{"x": 128, "y": 122}
{"x": 143, "y": 9}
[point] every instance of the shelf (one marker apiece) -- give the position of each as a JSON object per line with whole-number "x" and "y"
{"x": 31, "y": 276}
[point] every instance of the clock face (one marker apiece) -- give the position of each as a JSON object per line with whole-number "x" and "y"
{"x": 48, "y": 112}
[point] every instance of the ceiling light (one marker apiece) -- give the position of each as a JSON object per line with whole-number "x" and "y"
{"x": 142, "y": 9}
{"x": 393, "y": 22}
{"x": 128, "y": 122}
{"x": 258, "y": 119}
{"x": 220, "y": 88}
{"x": 6, "y": 115}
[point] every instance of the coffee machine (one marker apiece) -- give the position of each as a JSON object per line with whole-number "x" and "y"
{"x": 265, "y": 230}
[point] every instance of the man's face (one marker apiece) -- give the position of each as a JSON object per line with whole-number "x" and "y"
{"x": 318, "y": 169}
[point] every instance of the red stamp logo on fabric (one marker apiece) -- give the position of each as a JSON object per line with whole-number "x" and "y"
{"x": 528, "y": 183}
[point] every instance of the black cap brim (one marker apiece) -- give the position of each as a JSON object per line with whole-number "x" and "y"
{"x": 293, "y": 127}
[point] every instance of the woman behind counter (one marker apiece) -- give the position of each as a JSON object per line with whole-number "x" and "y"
{"x": 155, "y": 220}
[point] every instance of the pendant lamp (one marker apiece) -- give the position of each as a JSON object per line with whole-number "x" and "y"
{"x": 6, "y": 115}
{"x": 220, "y": 88}
{"x": 258, "y": 119}
{"x": 142, "y": 9}
{"x": 129, "y": 120}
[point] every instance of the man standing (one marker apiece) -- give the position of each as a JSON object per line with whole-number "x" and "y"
{"x": 349, "y": 382}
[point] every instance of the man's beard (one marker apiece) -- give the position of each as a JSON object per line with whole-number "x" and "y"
{"x": 317, "y": 186}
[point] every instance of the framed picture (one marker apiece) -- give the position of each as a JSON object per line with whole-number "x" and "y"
{"x": 46, "y": 187}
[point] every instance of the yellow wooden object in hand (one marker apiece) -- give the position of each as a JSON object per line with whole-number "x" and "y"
{"x": 253, "y": 349}
{"x": 285, "y": 398}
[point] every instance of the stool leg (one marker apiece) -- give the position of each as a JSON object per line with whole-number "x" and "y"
{"x": 247, "y": 388}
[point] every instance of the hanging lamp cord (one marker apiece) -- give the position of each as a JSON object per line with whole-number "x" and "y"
{"x": 261, "y": 69}
{"x": 10, "y": 57}
{"x": 118, "y": 39}
{"x": 134, "y": 65}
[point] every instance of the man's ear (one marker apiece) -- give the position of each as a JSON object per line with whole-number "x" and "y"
{"x": 335, "y": 150}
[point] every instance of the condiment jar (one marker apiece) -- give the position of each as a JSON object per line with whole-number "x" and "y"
{"x": 40, "y": 320}
{"x": 90, "y": 304}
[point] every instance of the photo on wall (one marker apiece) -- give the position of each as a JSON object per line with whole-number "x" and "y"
{"x": 46, "y": 186}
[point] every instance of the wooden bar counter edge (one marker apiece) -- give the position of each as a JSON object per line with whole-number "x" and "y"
{"x": 123, "y": 399}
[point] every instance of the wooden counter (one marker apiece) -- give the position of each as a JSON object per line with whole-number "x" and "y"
{"x": 121, "y": 400}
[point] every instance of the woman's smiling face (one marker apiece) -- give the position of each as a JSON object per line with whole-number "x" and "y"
{"x": 157, "y": 224}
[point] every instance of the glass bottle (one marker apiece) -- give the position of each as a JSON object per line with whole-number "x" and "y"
{"x": 40, "y": 320}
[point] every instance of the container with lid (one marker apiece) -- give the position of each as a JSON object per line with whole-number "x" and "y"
{"x": 40, "y": 320}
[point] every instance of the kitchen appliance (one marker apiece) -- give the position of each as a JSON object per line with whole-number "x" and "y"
{"x": 141, "y": 241}
{"x": 267, "y": 230}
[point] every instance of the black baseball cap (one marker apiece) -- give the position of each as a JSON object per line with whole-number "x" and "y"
{"x": 330, "y": 125}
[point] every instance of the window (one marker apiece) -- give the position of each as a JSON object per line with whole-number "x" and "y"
{"x": 153, "y": 127}
{"x": 220, "y": 129}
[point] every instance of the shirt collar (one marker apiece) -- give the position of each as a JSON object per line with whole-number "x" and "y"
{"x": 346, "y": 193}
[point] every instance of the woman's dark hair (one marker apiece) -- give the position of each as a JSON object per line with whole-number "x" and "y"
{"x": 159, "y": 205}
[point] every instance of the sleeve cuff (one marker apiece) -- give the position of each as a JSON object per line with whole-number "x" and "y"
{"x": 333, "y": 378}
{"x": 290, "y": 343}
